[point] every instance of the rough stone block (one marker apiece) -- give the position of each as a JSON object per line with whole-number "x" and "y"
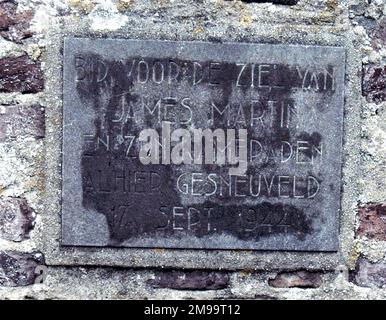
{"x": 368, "y": 274}
{"x": 298, "y": 279}
{"x": 21, "y": 121}
{"x": 374, "y": 83}
{"x": 14, "y": 25}
{"x": 373, "y": 221}
{"x": 16, "y": 219}
{"x": 195, "y": 280}
{"x": 19, "y": 269}
{"x": 20, "y": 74}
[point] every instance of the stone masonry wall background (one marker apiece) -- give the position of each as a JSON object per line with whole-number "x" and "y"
{"x": 23, "y": 273}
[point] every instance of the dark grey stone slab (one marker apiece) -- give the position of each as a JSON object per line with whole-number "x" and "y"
{"x": 288, "y": 98}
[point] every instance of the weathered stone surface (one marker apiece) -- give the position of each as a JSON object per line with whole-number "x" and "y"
{"x": 368, "y": 274}
{"x": 7, "y": 9}
{"x": 14, "y": 25}
{"x": 372, "y": 221}
{"x": 374, "y": 83}
{"x": 375, "y": 28}
{"x": 16, "y": 219}
{"x": 378, "y": 35}
{"x": 284, "y": 2}
{"x": 285, "y": 197}
{"x": 20, "y": 74}
{"x": 296, "y": 279}
{"x": 190, "y": 280}
{"x": 21, "y": 121}
{"x": 18, "y": 268}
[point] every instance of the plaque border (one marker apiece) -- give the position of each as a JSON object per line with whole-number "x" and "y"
{"x": 50, "y": 225}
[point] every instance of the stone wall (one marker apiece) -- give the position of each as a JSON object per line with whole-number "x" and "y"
{"x": 30, "y": 103}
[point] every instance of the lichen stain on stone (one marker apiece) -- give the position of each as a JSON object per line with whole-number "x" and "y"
{"x": 246, "y": 20}
{"x": 246, "y": 273}
{"x": 124, "y": 5}
{"x": 84, "y": 6}
{"x": 354, "y": 254}
{"x": 325, "y": 16}
{"x": 332, "y": 5}
{"x": 198, "y": 30}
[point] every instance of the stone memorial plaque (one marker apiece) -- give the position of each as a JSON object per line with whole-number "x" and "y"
{"x": 201, "y": 145}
